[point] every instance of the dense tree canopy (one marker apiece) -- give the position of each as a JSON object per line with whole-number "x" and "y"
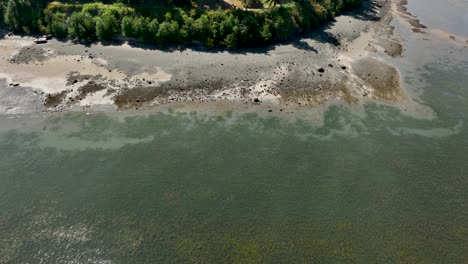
{"x": 21, "y": 15}
{"x": 12, "y": 15}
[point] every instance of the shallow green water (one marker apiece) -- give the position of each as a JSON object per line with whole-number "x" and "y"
{"x": 372, "y": 187}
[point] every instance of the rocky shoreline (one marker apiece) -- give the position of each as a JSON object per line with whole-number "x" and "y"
{"x": 344, "y": 61}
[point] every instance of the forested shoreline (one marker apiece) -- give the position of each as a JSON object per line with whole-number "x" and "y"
{"x": 169, "y": 23}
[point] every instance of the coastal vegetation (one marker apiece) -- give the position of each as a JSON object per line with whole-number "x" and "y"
{"x": 171, "y": 22}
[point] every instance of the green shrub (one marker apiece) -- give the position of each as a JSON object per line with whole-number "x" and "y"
{"x": 188, "y": 30}
{"x": 127, "y": 26}
{"x": 168, "y": 33}
{"x": 202, "y": 28}
{"x": 106, "y": 26}
{"x": 58, "y": 26}
{"x": 150, "y": 29}
{"x": 133, "y": 27}
{"x": 266, "y": 30}
{"x": 81, "y": 25}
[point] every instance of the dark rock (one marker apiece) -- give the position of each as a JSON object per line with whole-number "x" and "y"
{"x": 330, "y": 65}
{"x": 343, "y": 67}
{"x": 321, "y": 70}
{"x": 256, "y": 100}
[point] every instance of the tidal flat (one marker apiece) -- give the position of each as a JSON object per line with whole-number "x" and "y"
{"x": 330, "y": 64}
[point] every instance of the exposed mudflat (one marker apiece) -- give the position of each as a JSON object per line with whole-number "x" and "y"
{"x": 347, "y": 60}
{"x": 381, "y": 77}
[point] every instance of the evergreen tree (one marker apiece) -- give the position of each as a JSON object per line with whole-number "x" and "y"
{"x": 12, "y": 15}
{"x": 2, "y": 12}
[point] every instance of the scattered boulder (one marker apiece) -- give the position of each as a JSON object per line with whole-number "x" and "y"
{"x": 321, "y": 70}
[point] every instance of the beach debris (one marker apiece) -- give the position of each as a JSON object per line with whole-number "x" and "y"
{"x": 40, "y": 40}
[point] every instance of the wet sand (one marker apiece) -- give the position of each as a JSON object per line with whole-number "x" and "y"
{"x": 347, "y": 61}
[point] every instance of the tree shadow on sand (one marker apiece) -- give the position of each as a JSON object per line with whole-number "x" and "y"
{"x": 368, "y": 11}
{"x": 302, "y": 45}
